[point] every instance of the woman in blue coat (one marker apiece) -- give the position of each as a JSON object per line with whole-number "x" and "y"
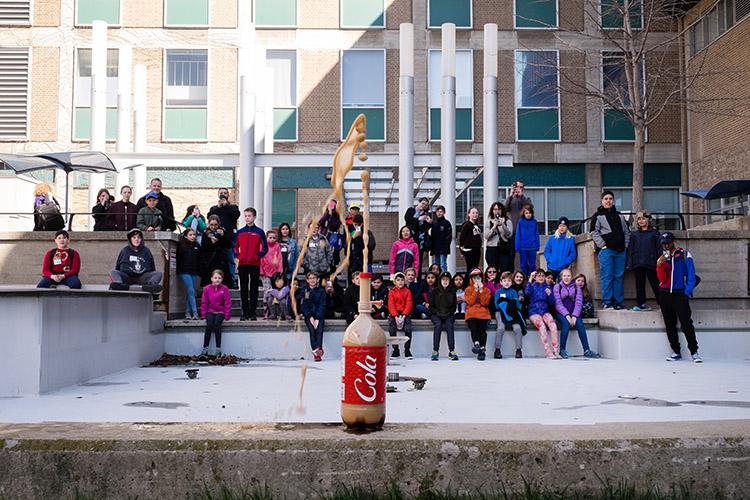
{"x": 560, "y": 250}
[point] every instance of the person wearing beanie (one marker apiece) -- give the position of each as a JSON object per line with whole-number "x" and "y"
{"x": 560, "y": 250}
{"x": 443, "y": 303}
{"x": 478, "y": 299}
{"x": 611, "y": 235}
{"x": 643, "y": 251}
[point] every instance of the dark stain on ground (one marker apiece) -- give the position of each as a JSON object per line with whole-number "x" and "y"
{"x": 661, "y": 403}
{"x": 156, "y": 404}
{"x": 102, "y": 384}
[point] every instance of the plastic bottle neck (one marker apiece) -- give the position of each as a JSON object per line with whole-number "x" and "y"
{"x": 364, "y": 294}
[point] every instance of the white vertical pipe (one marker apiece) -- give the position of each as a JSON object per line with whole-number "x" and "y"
{"x": 141, "y": 119}
{"x": 124, "y": 110}
{"x": 406, "y": 119}
{"x": 268, "y": 79}
{"x": 490, "y": 117}
{"x": 260, "y": 128}
{"x": 98, "y": 133}
{"x": 448, "y": 132}
{"x": 247, "y": 143}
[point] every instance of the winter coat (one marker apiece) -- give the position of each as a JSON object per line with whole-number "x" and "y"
{"x": 188, "y": 257}
{"x": 289, "y": 254}
{"x": 380, "y": 294}
{"x": 677, "y": 274}
{"x": 470, "y": 237}
{"x": 70, "y": 263}
{"x": 404, "y": 254}
{"x": 148, "y": 217}
{"x": 214, "y": 256}
{"x": 527, "y": 234}
{"x": 251, "y": 245}
{"x": 357, "y": 254}
{"x": 135, "y": 261}
{"x": 272, "y": 262}
{"x": 312, "y": 302}
{"x": 319, "y": 255}
{"x": 609, "y": 229}
{"x": 508, "y": 305}
{"x": 351, "y": 299}
{"x": 164, "y": 204}
{"x": 200, "y": 223}
{"x": 102, "y": 219}
{"x": 216, "y": 300}
{"x": 443, "y": 301}
{"x": 560, "y": 251}
{"x": 329, "y": 223}
{"x": 538, "y": 300}
{"x": 568, "y": 299}
{"x": 420, "y": 230}
{"x": 514, "y": 204}
{"x": 644, "y": 249}
{"x": 441, "y": 236}
{"x": 399, "y": 301}
{"x": 276, "y": 294}
{"x": 123, "y": 215}
{"x": 47, "y": 215}
{"x": 477, "y": 304}
{"x": 228, "y": 215}
{"x": 499, "y": 230}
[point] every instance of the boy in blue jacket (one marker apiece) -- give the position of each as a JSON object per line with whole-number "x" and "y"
{"x": 676, "y": 273}
{"x": 508, "y": 307}
{"x": 527, "y": 239}
{"x": 312, "y": 306}
{"x": 560, "y": 250}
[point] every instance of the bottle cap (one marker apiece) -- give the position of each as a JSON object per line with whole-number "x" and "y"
{"x": 365, "y": 275}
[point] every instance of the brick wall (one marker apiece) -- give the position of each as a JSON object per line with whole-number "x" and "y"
{"x": 152, "y": 59}
{"x": 666, "y": 128}
{"x": 397, "y": 12}
{"x": 223, "y": 13}
{"x": 570, "y": 14}
{"x": 46, "y": 13}
{"x": 392, "y": 79}
{"x": 478, "y": 95}
{"x": 506, "y": 119}
{"x": 45, "y": 67}
{"x": 499, "y": 12}
{"x": 320, "y": 101}
{"x": 318, "y": 14}
{"x": 572, "y": 102}
{"x": 222, "y": 98}
{"x": 143, "y": 13}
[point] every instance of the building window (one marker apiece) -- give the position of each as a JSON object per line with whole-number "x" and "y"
{"x": 15, "y": 12}
{"x": 284, "y": 64}
{"x": 88, "y": 11}
{"x": 457, "y": 12}
{"x": 723, "y": 16}
{"x": 186, "y": 13}
{"x": 616, "y": 126}
{"x": 275, "y": 13}
{"x": 186, "y": 94}
{"x": 284, "y": 207}
{"x": 14, "y": 93}
{"x": 536, "y": 13}
{"x": 363, "y": 91}
{"x": 362, "y": 13}
{"x": 82, "y": 95}
{"x": 662, "y": 202}
{"x": 464, "y": 94}
{"x": 613, "y": 14}
{"x": 537, "y": 96}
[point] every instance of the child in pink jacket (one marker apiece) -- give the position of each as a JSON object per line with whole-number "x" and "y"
{"x": 404, "y": 253}
{"x": 216, "y": 307}
{"x": 272, "y": 262}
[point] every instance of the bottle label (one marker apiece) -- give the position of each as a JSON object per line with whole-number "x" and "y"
{"x": 363, "y": 375}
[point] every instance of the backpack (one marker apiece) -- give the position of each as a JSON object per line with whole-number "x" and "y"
{"x": 48, "y": 217}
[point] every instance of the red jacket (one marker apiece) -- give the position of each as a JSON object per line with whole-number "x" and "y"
{"x": 477, "y": 304}
{"x": 399, "y": 301}
{"x": 251, "y": 245}
{"x": 66, "y": 266}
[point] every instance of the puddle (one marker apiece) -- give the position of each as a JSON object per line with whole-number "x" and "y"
{"x": 661, "y": 403}
{"x": 156, "y": 404}
{"x": 639, "y": 401}
{"x": 728, "y": 404}
{"x": 101, "y": 384}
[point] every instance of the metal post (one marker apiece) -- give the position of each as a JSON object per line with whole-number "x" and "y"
{"x": 268, "y": 79}
{"x": 124, "y": 110}
{"x": 139, "y": 135}
{"x": 260, "y": 131}
{"x": 98, "y": 132}
{"x": 448, "y": 132}
{"x": 247, "y": 143}
{"x": 406, "y": 120}
{"x": 491, "y": 184}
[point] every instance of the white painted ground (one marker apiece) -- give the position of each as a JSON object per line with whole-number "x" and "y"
{"x": 494, "y": 391}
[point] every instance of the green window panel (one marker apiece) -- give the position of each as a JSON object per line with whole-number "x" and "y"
{"x": 457, "y": 12}
{"x": 612, "y": 14}
{"x": 284, "y": 207}
{"x": 89, "y": 11}
{"x": 538, "y": 174}
{"x": 654, "y": 174}
{"x": 276, "y": 12}
{"x": 538, "y": 124}
{"x": 202, "y": 177}
{"x": 536, "y": 13}
{"x": 362, "y": 13}
{"x": 464, "y": 124}
{"x": 187, "y": 12}
{"x": 617, "y": 127}
{"x": 301, "y": 177}
{"x": 375, "y": 122}
{"x": 82, "y": 124}
{"x": 184, "y": 124}
{"x": 285, "y": 124}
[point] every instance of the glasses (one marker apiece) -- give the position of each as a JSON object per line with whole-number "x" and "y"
{"x": 491, "y": 272}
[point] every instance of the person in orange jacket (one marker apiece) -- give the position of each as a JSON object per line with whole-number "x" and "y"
{"x": 478, "y": 299}
{"x": 399, "y": 306}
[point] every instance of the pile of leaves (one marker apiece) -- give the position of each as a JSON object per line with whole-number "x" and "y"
{"x": 167, "y": 359}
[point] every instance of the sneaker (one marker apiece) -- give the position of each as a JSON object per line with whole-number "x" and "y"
{"x": 607, "y": 306}
{"x": 119, "y": 286}
{"x": 564, "y": 354}
{"x": 498, "y": 354}
{"x": 619, "y": 307}
{"x": 396, "y": 353}
{"x": 316, "y": 355}
{"x": 196, "y": 317}
{"x": 519, "y": 354}
{"x": 151, "y": 288}
{"x": 453, "y": 356}
{"x": 253, "y": 318}
{"x": 551, "y": 355}
{"x": 218, "y": 353}
{"x": 643, "y": 307}
{"x": 188, "y": 317}
{"x": 697, "y": 358}
{"x": 674, "y": 357}
{"x": 435, "y": 356}
{"x": 591, "y": 354}
{"x": 482, "y": 355}
{"x": 204, "y": 352}
{"x": 407, "y": 354}
{"x": 476, "y": 348}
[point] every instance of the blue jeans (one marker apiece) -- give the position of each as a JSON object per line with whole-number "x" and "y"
{"x": 566, "y": 328}
{"x": 612, "y": 269}
{"x": 442, "y": 261}
{"x": 422, "y": 309}
{"x": 528, "y": 261}
{"x": 70, "y": 282}
{"x": 191, "y": 283}
{"x": 230, "y": 259}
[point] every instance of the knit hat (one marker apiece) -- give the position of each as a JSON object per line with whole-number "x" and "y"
{"x": 475, "y": 272}
{"x": 607, "y": 192}
{"x": 445, "y": 274}
{"x": 563, "y": 220}
{"x": 399, "y": 275}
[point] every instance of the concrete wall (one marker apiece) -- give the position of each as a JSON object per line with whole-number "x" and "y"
{"x": 15, "y": 193}
{"x": 59, "y": 338}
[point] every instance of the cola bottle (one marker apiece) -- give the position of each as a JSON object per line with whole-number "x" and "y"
{"x": 363, "y": 367}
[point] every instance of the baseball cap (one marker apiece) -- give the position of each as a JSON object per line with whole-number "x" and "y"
{"x": 666, "y": 237}
{"x": 354, "y": 205}
{"x": 152, "y": 195}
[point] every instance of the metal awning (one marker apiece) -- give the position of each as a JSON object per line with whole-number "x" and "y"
{"x": 723, "y": 189}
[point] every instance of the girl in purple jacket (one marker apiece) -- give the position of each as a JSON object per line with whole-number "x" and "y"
{"x": 216, "y": 307}
{"x": 568, "y": 308}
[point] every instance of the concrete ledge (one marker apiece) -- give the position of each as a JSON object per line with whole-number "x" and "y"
{"x": 177, "y": 460}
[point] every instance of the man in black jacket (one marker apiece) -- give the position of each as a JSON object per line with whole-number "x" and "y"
{"x": 419, "y": 221}
{"x": 228, "y": 214}
{"x": 442, "y": 237}
{"x": 135, "y": 266}
{"x": 163, "y": 203}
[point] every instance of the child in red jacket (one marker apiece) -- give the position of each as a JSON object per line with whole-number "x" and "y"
{"x": 399, "y": 306}
{"x": 251, "y": 246}
{"x": 216, "y": 307}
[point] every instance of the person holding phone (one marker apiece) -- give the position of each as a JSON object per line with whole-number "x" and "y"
{"x": 477, "y": 298}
